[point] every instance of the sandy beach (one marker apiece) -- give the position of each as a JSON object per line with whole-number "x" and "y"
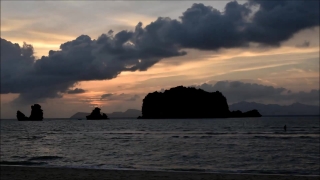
{"x": 20, "y": 172}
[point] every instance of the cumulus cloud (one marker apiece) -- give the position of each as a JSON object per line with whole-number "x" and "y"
{"x": 200, "y": 27}
{"x": 236, "y": 91}
{"x": 76, "y": 91}
{"x": 16, "y": 62}
{"x": 276, "y": 21}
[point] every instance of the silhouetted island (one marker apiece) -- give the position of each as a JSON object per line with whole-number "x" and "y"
{"x": 36, "y": 114}
{"x": 96, "y": 115}
{"x": 188, "y": 102}
{"x": 128, "y": 114}
{"x": 252, "y": 113}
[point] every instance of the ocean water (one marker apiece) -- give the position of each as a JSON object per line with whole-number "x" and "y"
{"x": 248, "y": 145}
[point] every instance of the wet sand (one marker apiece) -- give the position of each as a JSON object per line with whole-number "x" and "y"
{"x": 41, "y": 173}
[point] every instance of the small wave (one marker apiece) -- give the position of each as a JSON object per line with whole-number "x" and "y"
{"x": 305, "y": 137}
{"x": 187, "y": 169}
{"x": 31, "y": 137}
{"x": 127, "y": 133}
{"x": 21, "y": 157}
{"x": 44, "y": 158}
{"x": 298, "y": 132}
{"x": 275, "y": 172}
{"x": 272, "y": 137}
{"x": 284, "y": 137}
{"x": 205, "y": 137}
{"x": 121, "y": 138}
{"x": 50, "y": 133}
{"x": 213, "y": 133}
{"x": 21, "y": 163}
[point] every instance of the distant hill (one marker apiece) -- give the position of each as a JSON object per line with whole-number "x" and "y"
{"x": 80, "y": 115}
{"x": 130, "y": 113}
{"x": 275, "y": 109}
{"x": 265, "y": 110}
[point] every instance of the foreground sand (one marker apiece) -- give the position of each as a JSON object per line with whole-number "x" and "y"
{"x": 37, "y": 173}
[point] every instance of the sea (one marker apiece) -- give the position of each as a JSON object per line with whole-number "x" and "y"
{"x": 237, "y": 145}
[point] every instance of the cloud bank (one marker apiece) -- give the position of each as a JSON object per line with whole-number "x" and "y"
{"x": 76, "y": 91}
{"x": 237, "y": 91}
{"x": 200, "y": 27}
{"x": 119, "y": 97}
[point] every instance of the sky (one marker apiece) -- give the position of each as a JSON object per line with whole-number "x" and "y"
{"x": 71, "y": 56}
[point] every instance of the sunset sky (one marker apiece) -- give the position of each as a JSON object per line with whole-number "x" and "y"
{"x": 266, "y": 52}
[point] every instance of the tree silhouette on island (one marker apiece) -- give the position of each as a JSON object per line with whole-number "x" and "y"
{"x": 188, "y": 102}
{"x": 36, "y": 114}
{"x": 96, "y": 115}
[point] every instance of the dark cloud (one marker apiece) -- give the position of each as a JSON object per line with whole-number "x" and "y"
{"x": 304, "y": 44}
{"x": 119, "y": 97}
{"x": 104, "y": 96}
{"x": 76, "y": 91}
{"x": 237, "y": 91}
{"x": 200, "y": 27}
{"x": 16, "y": 64}
{"x": 134, "y": 98}
{"x": 276, "y": 21}
{"x": 18, "y": 75}
{"x": 311, "y": 97}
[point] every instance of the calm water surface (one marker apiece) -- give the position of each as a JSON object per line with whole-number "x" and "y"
{"x": 255, "y": 145}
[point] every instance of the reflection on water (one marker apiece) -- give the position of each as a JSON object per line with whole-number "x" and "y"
{"x": 255, "y": 145}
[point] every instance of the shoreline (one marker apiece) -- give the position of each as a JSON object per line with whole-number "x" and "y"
{"x": 50, "y": 173}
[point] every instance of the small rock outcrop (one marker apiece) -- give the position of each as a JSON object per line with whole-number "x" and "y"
{"x": 96, "y": 115}
{"x": 21, "y": 116}
{"x": 36, "y": 114}
{"x": 252, "y": 113}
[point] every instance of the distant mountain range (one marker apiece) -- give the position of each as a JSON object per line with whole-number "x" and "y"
{"x": 264, "y": 109}
{"x": 130, "y": 113}
{"x": 275, "y": 109}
